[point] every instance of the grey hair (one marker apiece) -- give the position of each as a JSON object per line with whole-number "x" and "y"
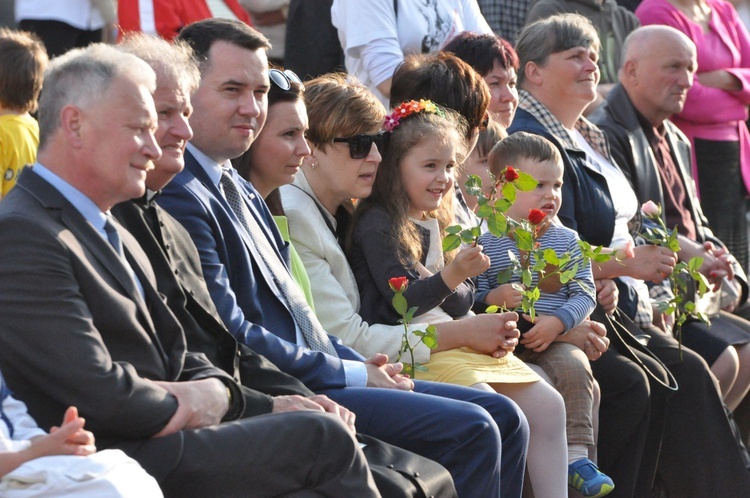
{"x": 81, "y": 77}
{"x": 172, "y": 62}
{"x": 551, "y": 35}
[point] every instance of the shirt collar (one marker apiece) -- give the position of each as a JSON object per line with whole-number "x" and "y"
{"x": 211, "y": 167}
{"x": 88, "y": 209}
{"x": 593, "y": 135}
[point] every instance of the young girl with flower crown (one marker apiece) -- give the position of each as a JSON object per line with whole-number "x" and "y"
{"x": 398, "y": 231}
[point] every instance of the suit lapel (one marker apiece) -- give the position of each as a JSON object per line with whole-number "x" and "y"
{"x": 192, "y": 165}
{"x": 94, "y": 243}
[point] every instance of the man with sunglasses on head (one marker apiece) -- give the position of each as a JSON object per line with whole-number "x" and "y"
{"x": 246, "y": 269}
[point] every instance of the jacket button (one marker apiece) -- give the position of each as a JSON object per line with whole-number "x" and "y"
{"x": 167, "y": 247}
{"x": 176, "y": 271}
{"x": 416, "y": 474}
{"x": 390, "y": 466}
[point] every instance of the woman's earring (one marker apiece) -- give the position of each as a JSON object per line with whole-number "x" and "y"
{"x": 313, "y": 164}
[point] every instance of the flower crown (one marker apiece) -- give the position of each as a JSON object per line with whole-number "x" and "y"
{"x": 406, "y": 109}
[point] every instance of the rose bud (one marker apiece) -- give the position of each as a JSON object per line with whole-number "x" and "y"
{"x": 536, "y": 216}
{"x": 398, "y": 284}
{"x": 510, "y": 174}
{"x": 650, "y": 209}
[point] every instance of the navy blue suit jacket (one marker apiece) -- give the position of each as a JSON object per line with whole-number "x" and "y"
{"x": 244, "y": 292}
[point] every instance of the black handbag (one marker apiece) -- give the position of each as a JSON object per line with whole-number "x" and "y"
{"x": 400, "y": 473}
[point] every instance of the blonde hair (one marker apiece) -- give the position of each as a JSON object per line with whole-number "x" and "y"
{"x": 389, "y": 190}
{"x": 339, "y": 106}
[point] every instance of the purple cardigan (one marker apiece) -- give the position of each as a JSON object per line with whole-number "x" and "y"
{"x": 711, "y": 113}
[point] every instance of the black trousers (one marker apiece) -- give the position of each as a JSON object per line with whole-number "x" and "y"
{"x": 682, "y": 440}
{"x": 59, "y": 37}
{"x": 307, "y": 453}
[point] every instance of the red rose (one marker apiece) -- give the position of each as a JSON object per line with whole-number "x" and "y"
{"x": 536, "y": 216}
{"x": 398, "y": 284}
{"x": 510, "y": 174}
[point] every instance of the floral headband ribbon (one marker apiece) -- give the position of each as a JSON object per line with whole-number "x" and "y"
{"x": 406, "y": 109}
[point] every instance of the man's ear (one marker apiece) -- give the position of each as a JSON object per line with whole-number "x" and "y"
{"x": 71, "y": 125}
{"x": 628, "y": 73}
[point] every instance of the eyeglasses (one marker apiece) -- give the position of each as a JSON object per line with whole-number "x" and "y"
{"x": 360, "y": 145}
{"x": 284, "y": 79}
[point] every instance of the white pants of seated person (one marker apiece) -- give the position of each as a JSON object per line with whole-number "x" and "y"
{"x": 109, "y": 473}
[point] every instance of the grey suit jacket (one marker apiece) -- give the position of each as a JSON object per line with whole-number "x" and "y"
{"x": 76, "y": 331}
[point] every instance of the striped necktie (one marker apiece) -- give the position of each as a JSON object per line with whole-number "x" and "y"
{"x": 308, "y": 323}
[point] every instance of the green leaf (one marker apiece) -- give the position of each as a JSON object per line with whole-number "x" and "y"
{"x": 467, "y": 236}
{"x": 695, "y": 263}
{"x": 492, "y": 309}
{"x": 496, "y": 224}
{"x": 550, "y": 256}
{"x": 526, "y": 278}
{"x": 409, "y": 314}
{"x": 509, "y": 192}
{"x": 503, "y": 205}
{"x": 524, "y": 240}
{"x": 504, "y": 276}
{"x": 454, "y": 229}
{"x": 430, "y": 341}
{"x": 399, "y": 303}
{"x": 525, "y": 182}
{"x": 474, "y": 185}
{"x": 420, "y": 368}
{"x": 451, "y": 242}
{"x": 484, "y": 211}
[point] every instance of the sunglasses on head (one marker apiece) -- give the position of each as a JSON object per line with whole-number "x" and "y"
{"x": 284, "y": 79}
{"x": 360, "y": 145}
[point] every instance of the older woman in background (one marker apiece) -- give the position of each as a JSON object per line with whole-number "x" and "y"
{"x": 558, "y": 79}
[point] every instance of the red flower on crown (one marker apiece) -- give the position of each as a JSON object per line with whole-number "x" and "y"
{"x": 398, "y": 284}
{"x": 536, "y": 216}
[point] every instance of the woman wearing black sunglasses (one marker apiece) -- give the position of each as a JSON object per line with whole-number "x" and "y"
{"x": 345, "y": 123}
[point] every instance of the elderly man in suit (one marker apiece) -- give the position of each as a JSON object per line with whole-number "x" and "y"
{"x": 84, "y": 325}
{"x": 658, "y": 69}
{"x": 245, "y": 264}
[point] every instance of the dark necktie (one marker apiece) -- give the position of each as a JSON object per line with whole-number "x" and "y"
{"x": 306, "y": 320}
{"x": 116, "y": 242}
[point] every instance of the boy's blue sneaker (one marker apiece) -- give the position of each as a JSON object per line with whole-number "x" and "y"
{"x": 584, "y": 476}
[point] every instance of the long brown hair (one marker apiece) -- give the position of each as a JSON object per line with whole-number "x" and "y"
{"x": 389, "y": 190}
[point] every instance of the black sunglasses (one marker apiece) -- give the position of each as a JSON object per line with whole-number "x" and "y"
{"x": 284, "y": 79}
{"x": 360, "y": 145}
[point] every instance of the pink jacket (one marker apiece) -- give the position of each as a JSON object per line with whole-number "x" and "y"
{"x": 711, "y": 113}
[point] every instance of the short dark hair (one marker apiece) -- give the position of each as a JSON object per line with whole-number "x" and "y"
{"x": 482, "y": 51}
{"x": 203, "y": 34}
{"x": 446, "y": 80}
{"x": 521, "y": 145}
{"x": 23, "y": 59}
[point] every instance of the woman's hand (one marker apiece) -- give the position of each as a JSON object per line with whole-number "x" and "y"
{"x": 607, "y": 294}
{"x": 590, "y": 337}
{"x": 468, "y": 263}
{"x": 494, "y": 334}
{"x": 651, "y": 263}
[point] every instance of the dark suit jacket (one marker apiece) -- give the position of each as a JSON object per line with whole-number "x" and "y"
{"x": 632, "y": 152}
{"x": 179, "y": 277}
{"x": 76, "y": 331}
{"x": 244, "y": 292}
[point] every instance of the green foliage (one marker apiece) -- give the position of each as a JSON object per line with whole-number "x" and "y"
{"x": 681, "y": 305}
{"x": 427, "y": 336}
